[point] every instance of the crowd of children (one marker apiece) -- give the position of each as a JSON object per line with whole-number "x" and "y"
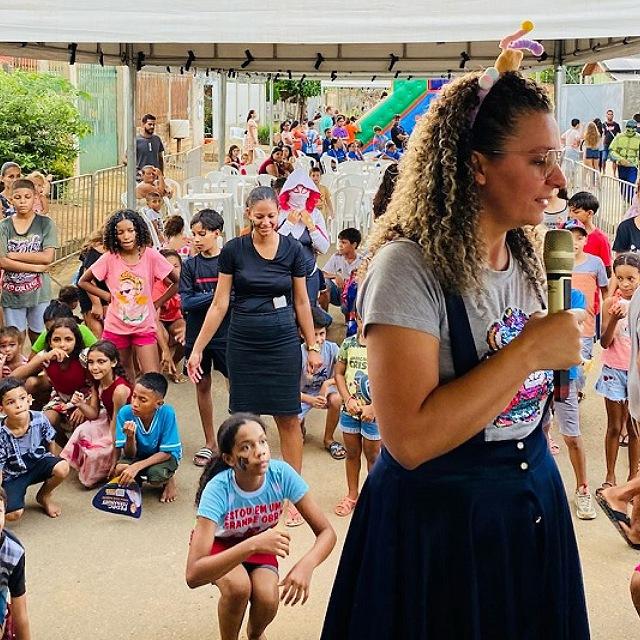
{"x": 89, "y": 395}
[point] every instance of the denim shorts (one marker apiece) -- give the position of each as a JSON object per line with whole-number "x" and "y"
{"x": 612, "y": 384}
{"x": 355, "y": 426}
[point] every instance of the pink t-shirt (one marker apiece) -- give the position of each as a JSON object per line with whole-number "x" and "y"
{"x": 131, "y": 309}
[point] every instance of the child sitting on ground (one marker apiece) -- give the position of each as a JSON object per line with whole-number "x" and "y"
{"x": 26, "y": 457}
{"x": 61, "y": 367}
{"x": 11, "y": 341}
{"x": 14, "y": 619}
{"x": 342, "y": 264}
{"x": 90, "y": 448}
{"x": 152, "y": 213}
{"x": 147, "y": 437}
{"x": 357, "y": 419}
{"x": 235, "y": 543}
{"x": 317, "y": 390}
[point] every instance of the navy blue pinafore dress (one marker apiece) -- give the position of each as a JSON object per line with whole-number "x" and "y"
{"x": 476, "y": 544}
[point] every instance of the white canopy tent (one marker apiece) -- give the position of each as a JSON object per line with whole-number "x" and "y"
{"x": 361, "y": 37}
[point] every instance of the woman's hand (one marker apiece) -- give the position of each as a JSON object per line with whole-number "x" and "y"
{"x": 194, "y": 370}
{"x": 314, "y": 361}
{"x": 554, "y": 340}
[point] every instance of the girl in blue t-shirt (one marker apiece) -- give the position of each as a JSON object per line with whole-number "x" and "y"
{"x": 235, "y": 542}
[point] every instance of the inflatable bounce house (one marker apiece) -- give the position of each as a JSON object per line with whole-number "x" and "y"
{"x": 409, "y": 98}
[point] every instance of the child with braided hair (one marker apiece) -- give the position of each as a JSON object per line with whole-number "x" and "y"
{"x": 129, "y": 267}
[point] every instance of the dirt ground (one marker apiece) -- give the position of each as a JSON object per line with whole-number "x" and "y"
{"x": 94, "y": 575}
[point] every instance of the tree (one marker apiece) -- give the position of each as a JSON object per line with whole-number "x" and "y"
{"x": 40, "y": 124}
{"x": 296, "y": 92}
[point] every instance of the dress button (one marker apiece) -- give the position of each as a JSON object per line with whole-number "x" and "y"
{"x": 520, "y": 445}
{"x": 524, "y": 466}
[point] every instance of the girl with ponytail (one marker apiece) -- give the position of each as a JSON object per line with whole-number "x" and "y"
{"x": 235, "y": 543}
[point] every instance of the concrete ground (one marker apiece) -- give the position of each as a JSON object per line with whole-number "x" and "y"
{"x": 94, "y": 575}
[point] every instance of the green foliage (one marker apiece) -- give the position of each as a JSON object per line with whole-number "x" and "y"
{"x": 263, "y": 134}
{"x": 294, "y": 90}
{"x": 572, "y": 75}
{"x": 40, "y": 124}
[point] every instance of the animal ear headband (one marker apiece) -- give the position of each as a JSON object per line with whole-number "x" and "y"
{"x": 510, "y": 57}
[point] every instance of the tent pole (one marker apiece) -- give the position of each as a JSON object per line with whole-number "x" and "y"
{"x": 559, "y": 78}
{"x": 270, "y": 105}
{"x": 131, "y": 133}
{"x": 222, "y": 117}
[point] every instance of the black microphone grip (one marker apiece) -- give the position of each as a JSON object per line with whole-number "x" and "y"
{"x": 560, "y": 298}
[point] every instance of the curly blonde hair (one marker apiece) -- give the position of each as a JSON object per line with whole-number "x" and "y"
{"x": 436, "y": 201}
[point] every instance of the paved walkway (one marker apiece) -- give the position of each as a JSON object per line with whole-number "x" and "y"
{"x": 92, "y": 575}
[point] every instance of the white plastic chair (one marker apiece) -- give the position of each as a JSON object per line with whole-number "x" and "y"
{"x": 176, "y": 191}
{"x": 347, "y": 206}
{"x": 214, "y": 177}
{"x": 252, "y": 169}
{"x": 304, "y": 162}
{"x": 228, "y": 170}
{"x": 351, "y": 167}
{"x": 329, "y": 164}
{"x": 194, "y": 185}
{"x": 153, "y": 232}
{"x": 350, "y": 180}
{"x": 259, "y": 156}
{"x": 265, "y": 180}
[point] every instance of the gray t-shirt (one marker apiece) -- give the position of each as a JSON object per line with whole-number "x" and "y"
{"x": 148, "y": 151}
{"x": 400, "y": 290}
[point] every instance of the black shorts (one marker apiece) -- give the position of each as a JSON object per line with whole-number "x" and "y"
{"x": 212, "y": 359}
{"x": 39, "y": 471}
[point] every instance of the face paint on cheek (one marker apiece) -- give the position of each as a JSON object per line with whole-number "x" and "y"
{"x": 243, "y": 463}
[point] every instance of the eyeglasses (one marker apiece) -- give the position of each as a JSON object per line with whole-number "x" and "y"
{"x": 547, "y": 161}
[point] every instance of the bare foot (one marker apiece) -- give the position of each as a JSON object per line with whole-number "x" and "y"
{"x": 50, "y": 507}
{"x": 170, "y": 491}
{"x": 612, "y": 496}
{"x": 632, "y": 534}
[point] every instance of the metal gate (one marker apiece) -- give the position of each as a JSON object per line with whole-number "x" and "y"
{"x": 99, "y": 149}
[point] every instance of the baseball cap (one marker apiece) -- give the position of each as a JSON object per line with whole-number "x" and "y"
{"x": 572, "y": 224}
{"x": 631, "y": 124}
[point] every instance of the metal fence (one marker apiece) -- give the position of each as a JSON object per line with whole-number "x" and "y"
{"x": 614, "y": 195}
{"x": 81, "y": 204}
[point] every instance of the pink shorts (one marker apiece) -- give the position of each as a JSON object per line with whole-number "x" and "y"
{"x": 130, "y": 340}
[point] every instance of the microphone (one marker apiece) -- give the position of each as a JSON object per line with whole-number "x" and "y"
{"x": 558, "y": 263}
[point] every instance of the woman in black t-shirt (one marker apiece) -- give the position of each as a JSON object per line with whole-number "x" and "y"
{"x": 267, "y": 273}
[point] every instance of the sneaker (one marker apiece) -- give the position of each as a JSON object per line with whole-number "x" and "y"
{"x": 584, "y": 506}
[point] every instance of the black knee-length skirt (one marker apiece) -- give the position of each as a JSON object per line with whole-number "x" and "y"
{"x": 264, "y": 360}
{"x": 475, "y": 545}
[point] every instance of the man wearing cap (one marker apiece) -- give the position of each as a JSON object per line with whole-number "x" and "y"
{"x": 625, "y": 150}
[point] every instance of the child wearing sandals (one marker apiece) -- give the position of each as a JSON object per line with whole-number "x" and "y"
{"x": 318, "y": 390}
{"x": 26, "y": 452}
{"x": 61, "y": 366}
{"x": 357, "y": 419}
{"x": 90, "y": 448}
{"x": 616, "y": 356}
{"x": 235, "y": 543}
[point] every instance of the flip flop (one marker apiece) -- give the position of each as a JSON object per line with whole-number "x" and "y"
{"x": 336, "y": 450}
{"x": 616, "y": 517}
{"x": 554, "y": 448}
{"x": 624, "y": 440}
{"x": 294, "y": 519}
{"x": 203, "y": 454}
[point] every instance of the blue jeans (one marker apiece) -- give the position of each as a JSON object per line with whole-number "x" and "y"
{"x": 628, "y": 174}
